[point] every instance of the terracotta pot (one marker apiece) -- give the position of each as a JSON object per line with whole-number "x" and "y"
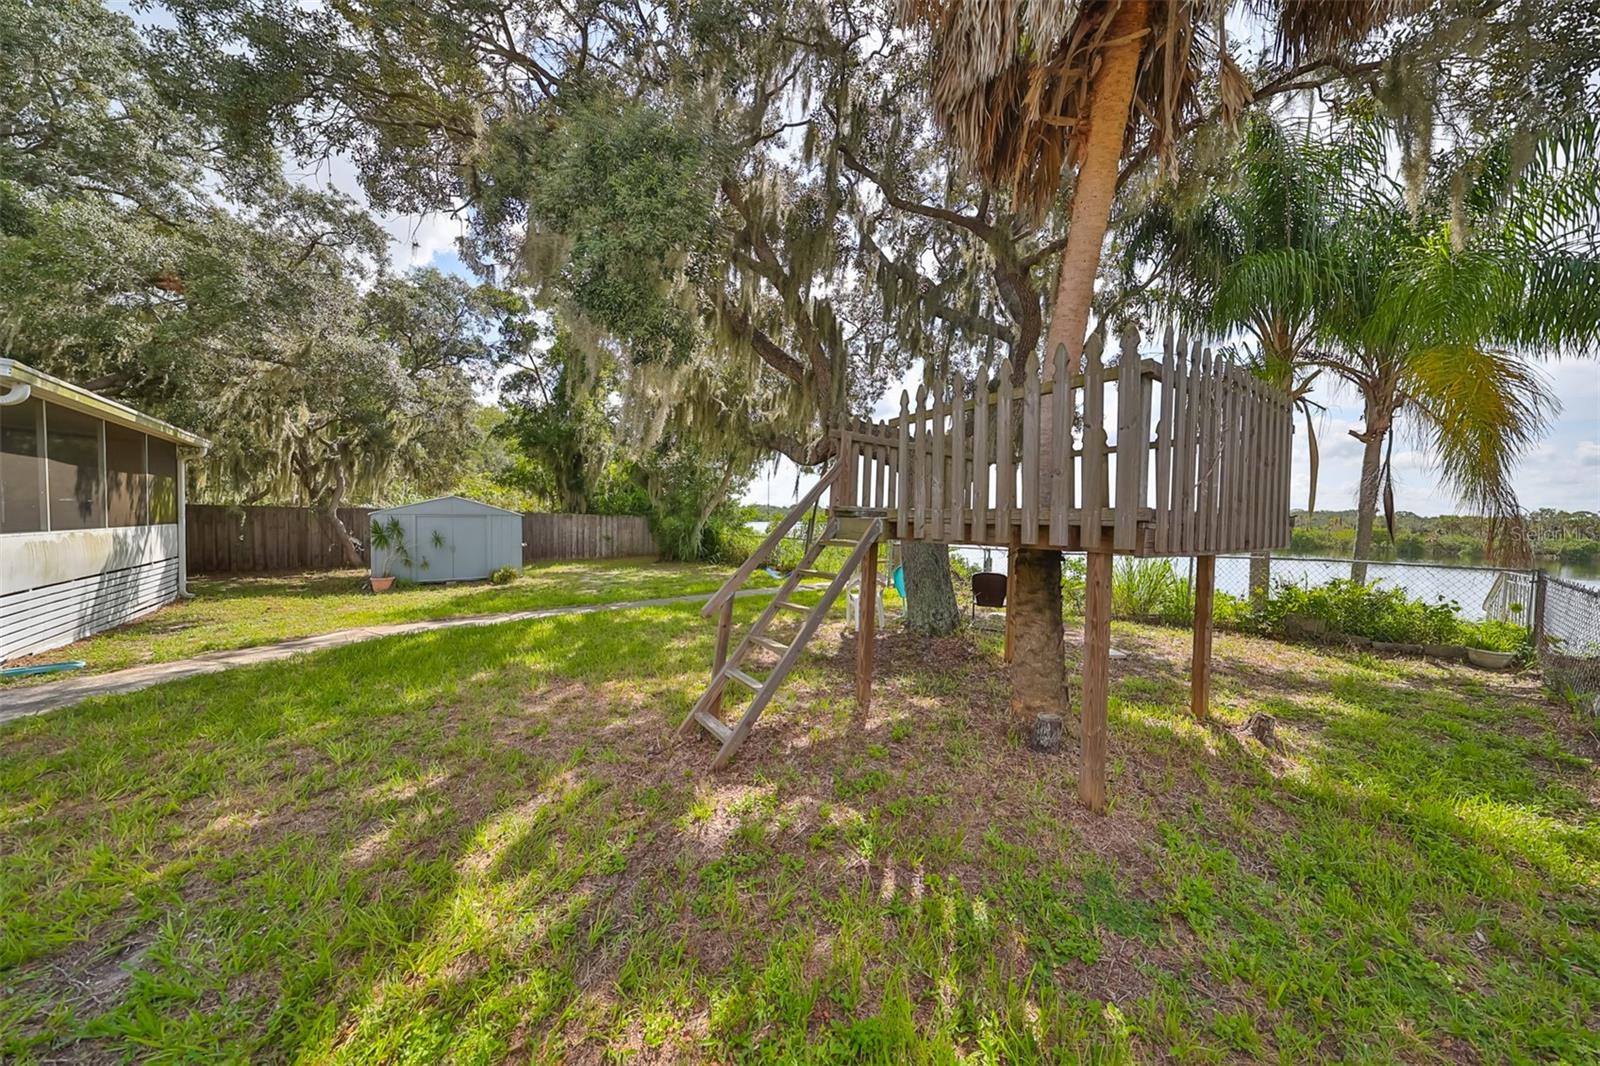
{"x": 380, "y": 584}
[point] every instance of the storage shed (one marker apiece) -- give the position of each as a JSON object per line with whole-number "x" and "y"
{"x": 91, "y": 511}
{"x": 447, "y": 539}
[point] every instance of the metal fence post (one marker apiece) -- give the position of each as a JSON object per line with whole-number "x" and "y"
{"x": 1539, "y": 585}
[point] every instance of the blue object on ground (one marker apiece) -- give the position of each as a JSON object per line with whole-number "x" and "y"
{"x": 44, "y": 668}
{"x": 900, "y": 581}
{"x": 773, "y": 573}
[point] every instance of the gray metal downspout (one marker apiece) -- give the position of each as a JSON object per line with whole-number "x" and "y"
{"x": 183, "y": 525}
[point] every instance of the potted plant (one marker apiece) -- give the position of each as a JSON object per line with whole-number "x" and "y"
{"x": 1497, "y": 645}
{"x": 390, "y": 538}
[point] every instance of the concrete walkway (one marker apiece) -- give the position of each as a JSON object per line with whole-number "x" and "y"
{"x": 53, "y": 695}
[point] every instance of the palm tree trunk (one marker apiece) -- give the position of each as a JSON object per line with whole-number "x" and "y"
{"x": 1367, "y": 502}
{"x": 931, "y": 609}
{"x": 1038, "y": 668}
{"x": 1038, "y": 662}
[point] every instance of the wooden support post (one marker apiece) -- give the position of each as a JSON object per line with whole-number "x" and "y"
{"x": 1096, "y": 681}
{"x": 867, "y": 629}
{"x": 1011, "y": 586}
{"x": 1205, "y": 584}
{"x": 724, "y": 632}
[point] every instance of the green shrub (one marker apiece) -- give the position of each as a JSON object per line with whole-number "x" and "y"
{"x": 503, "y": 576}
{"x": 1233, "y": 612}
{"x": 1491, "y": 635}
{"x": 1579, "y": 551}
{"x": 1074, "y": 570}
{"x": 1150, "y": 590}
{"x": 1359, "y": 610}
{"x": 734, "y": 549}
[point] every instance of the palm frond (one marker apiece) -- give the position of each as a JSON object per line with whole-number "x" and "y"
{"x": 1479, "y": 410}
{"x": 1011, "y": 77}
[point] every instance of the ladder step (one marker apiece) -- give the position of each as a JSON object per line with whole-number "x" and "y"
{"x": 770, "y": 645}
{"x": 841, "y": 542}
{"x": 817, "y": 573}
{"x": 745, "y": 679}
{"x": 714, "y": 725}
{"x": 789, "y": 605}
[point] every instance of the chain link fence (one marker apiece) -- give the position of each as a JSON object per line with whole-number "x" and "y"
{"x": 1568, "y": 639}
{"x": 1478, "y": 593}
{"x": 1560, "y": 618}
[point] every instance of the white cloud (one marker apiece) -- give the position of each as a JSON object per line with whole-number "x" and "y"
{"x": 414, "y": 240}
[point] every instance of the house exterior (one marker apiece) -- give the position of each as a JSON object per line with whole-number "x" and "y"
{"x": 450, "y": 538}
{"x": 91, "y": 511}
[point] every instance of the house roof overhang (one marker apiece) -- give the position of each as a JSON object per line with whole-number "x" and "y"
{"x": 15, "y": 376}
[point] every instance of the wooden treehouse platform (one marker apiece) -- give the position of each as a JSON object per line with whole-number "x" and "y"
{"x": 1188, "y": 455}
{"x": 1183, "y": 456}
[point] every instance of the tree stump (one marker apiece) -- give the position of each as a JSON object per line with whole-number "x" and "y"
{"x": 1047, "y": 732}
{"x": 1264, "y": 728}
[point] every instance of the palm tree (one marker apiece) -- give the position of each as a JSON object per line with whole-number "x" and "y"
{"x": 1030, "y": 89}
{"x": 1310, "y": 250}
{"x": 1247, "y": 248}
{"x": 1437, "y": 311}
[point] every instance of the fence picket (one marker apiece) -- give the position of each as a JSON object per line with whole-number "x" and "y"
{"x": 1031, "y": 483}
{"x": 1164, "y": 441}
{"x": 1130, "y": 445}
{"x": 1004, "y": 450}
{"x": 980, "y": 454}
{"x": 958, "y": 460}
{"x": 1060, "y": 449}
{"x": 1094, "y": 445}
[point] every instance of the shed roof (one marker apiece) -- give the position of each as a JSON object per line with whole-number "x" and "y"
{"x": 447, "y": 505}
{"x": 49, "y": 387}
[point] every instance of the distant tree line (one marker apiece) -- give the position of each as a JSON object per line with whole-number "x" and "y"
{"x": 1562, "y": 536}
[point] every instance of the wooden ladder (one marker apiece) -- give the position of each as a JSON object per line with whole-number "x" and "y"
{"x": 704, "y": 712}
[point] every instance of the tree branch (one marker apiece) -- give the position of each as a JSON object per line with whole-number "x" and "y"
{"x": 972, "y": 223}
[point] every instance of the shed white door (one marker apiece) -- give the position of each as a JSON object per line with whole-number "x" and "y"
{"x": 470, "y": 548}
{"x": 456, "y": 547}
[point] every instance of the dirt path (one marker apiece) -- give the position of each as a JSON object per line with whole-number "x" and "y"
{"x": 39, "y": 699}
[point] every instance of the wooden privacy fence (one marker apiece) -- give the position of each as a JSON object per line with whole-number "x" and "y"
{"x": 585, "y": 536}
{"x": 244, "y": 540}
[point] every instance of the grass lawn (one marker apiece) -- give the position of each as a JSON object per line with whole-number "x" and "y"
{"x": 488, "y": 845}
{"x": 239, "y": 612}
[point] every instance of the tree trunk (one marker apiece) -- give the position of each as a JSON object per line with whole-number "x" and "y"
{"x": 1109, "y": 101}
{"x": 1367, "y": 503}
{"x": 1039, "y": 659}
{"x": 1260, "y": 579}
{"x": 931, "y": 609}
{"x": 349, "y": 553}
{"x": 1038, "y": 669}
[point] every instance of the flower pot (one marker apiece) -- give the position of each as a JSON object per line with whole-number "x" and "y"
{"x": 1491, "y": 660}
{"x": 380, "y": 584}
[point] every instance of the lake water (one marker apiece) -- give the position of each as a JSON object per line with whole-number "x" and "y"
{"x": 1431, "y": 581}
{"x": 1468, "y": 586}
